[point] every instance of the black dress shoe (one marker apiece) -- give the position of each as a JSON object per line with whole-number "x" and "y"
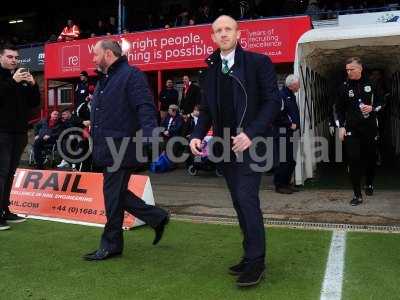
{"x": 100, "y": 254}
{"x": 252, "y": 274}
{"x": 356, "y": 201}
{"x": 293, "y": 188}
{"x": 369, "y": 190}
{"x": 13, "y": 218}
{"x": 283, "y": 190}
{"x": 159, "y": 229}
{"x": 238, "y": 268}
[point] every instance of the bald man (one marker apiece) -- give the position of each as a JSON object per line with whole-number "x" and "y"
{"x": 241, "y": 98}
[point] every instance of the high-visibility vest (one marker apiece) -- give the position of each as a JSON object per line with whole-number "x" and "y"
{"x": 69, "y": 34}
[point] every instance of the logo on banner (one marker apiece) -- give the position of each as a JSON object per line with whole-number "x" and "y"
{"x": 40, "y": 58}
{"x": 70, "y": 58}
{"x": 70, "y": 195}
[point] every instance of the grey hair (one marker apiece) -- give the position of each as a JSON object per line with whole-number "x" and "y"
{"x": 114, "y": 46}
{"x": 290, "y": 79}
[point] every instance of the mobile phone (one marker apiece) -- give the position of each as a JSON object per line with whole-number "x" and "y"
{"x": 24, "y": 70}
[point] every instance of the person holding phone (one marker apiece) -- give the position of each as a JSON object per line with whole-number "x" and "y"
{"x": 19, "y": 93}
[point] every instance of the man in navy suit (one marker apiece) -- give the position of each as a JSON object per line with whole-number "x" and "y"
{"x": 122, "y": 106}
{"x": 286, "y": 124}
{"x": 240, "y": 96}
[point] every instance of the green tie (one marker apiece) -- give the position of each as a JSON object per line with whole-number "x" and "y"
{"x": 225, "y": 68}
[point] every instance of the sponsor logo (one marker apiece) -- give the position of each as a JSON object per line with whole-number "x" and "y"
{"x": 70, "y": 58}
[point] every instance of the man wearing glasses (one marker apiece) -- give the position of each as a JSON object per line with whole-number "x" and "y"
{"x": 19, "y": 93}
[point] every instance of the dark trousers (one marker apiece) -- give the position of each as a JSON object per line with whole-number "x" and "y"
{"x": 244, "y": 187}
{"x": 38, "y": 147}
{"x": 284, "y": 164}
{"x": 11, "y": 149}
{"x": 118, "y": 199}
{"x": 361, "y": 158}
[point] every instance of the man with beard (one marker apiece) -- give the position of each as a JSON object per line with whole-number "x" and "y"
{"x": 122, "y": 106}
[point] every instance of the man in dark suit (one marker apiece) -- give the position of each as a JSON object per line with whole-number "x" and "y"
{"x": 286, "y": 125}
{"x": 122, "y": 106}
{"x": 190, "y": 96}
{"x": 240, "y": 95}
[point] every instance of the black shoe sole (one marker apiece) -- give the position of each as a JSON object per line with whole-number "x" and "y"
{"x": 16, "y": 221}
{"x": 355, "y": 204}
{"x": 234, "y": 273}
{"x": 108, "y": 257}
{"x": 246, "y": 284}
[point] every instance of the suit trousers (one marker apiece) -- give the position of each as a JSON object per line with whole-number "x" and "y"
{"x": 283, "y": 159}
{"x": 118, "y": 198}
{"x": 12, "y": 146}
{"x": 244, "y": 187}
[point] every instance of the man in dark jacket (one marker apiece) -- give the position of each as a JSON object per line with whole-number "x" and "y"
{"x": 19, "y": 93}
{"x": 168, "y": 96}
{"x": 190, "y": 96}
{"x": 82, "y": 89}
{"x": 356, "y": 108}
{"x": 285, "y": 125}
{"x": 240, "y": 96}
{"x": 122, "y": 106}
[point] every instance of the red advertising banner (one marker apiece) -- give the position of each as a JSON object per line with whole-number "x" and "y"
{"x": 71, "y": 196}
{"x": 179, "y": 48}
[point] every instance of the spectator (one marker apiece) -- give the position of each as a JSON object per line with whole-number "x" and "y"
{"x": 112, "y": 26}
{"x": 81, "y": 90}
{"x": 313, "y": 10}
{"x": 70, "y": 140}
{"x": 243, "y": 10}
{"x": 83, "y": 113}
{"x": 100, "y": 29}
{"x": 190, "y": 121}
{"x": 19, "y": 93}
{"x": 204, "y": 15}
{"x": 46, "y": 133}
{"x": 83, "y": 110}
{"x": 168, "y": 96}
{"x": 70, "y": 32}
{"x": 190, "y": 96}
{"x": 172, "y": 123}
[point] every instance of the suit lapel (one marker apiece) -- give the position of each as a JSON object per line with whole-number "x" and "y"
{"x": 237, "y": 73}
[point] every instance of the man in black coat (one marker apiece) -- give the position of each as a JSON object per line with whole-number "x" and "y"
{"x": 122, "y": 106}
{"x": 82, "y": 89}
{"x": 168, "y": 96}
{"x": 241, "y": 96}
{"x": 19, "y": 93}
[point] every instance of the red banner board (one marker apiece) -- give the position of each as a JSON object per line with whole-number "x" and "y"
{"x": 71, "y": 196}
{"x": 179, "y": 48}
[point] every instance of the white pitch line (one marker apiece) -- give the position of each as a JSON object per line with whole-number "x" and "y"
{"x": 333, "y": 280}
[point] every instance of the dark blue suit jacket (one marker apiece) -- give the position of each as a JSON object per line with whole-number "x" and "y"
{"x": 290, "y": 113}
{"x": 254, "y": 76}
{"x": 122, "y": 104}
